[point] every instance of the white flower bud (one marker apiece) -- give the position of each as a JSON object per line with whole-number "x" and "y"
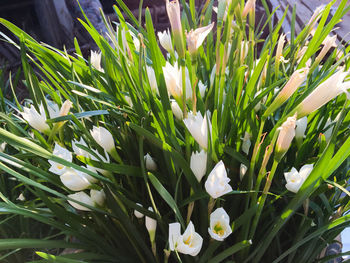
{"x": 152, "y": 79}
{"x": 98, "y": 197}
{"x": 325, "y": 92}
{"x": 249, "y": 6}
{"x": 138, "y": 214}
{"x": 301, "y": 128}
{"x": 3, "y": 147}
{"x": 246, "y": 143}
{"x": 151, "y": 224}
{"x": 198, "y": 127}
{"x": 81, "y": 197}
{"x": 198, "y": 164}
{"x": 150, "y": 163}
{"x": 175, "y": 108}
{"x": 74, "y": 180}
{"x": 103, "y": 137}
{"x": 165, "y": 40}
{"x": 285, "y": 137}
{"x": 202, "y": 88}
{"x": 242, "y": 171}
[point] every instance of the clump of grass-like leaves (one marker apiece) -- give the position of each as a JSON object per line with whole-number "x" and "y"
{"x": 204, "y": 143}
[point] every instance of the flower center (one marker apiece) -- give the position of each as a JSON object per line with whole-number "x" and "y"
{"x": 60, "y": 166}
{"x": 188, "y": 241}
{"x": 218, "y": 229}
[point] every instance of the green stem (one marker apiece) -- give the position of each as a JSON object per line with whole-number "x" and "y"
{"x": 255, "y": 152}
{"x": 183, "y": 70}
{"x": 217, "y": 48}
{"x": 246, "y": 227}
{"x": 263, "y": 198}
{"x": 115, "y": 156}
{"x": 263, "y": 168}
{"x": 194, "y": 83}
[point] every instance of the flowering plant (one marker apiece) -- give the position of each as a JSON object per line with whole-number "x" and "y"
{"x": 181, "y": 147}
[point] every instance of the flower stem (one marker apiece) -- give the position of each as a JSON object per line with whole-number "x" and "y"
{"x": 183, "y": 70}
{"x": 211, "y": 205}
{"x": 194, "y": 84}
{"x": 255, "y": 153}
{"x": 262, "y": 198}
{"x": 190, "y": 208}
{"x": 216, "y": 86}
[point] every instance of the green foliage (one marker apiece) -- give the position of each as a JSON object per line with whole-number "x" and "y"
{"x": 242, "y": 77}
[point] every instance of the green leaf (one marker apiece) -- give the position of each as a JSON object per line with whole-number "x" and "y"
{"x": 167, "y": 198}
{"x": 230, "y": 251}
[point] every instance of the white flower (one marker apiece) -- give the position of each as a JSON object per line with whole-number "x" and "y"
{"x": 242, "y": 171}
{"x": 165, "y": 40}
{"x": 285, "y": 136}
{"x": 175, "y": 108}
{"x": 96, "y": 60}
{"x": 35, "y": 119}
{"x": 217, "y": 182}
{"x": 189, "y": 243}
{"x": 53, "y": 109}
{"x": 219, "y": 226}
{"x": 63, "y": 153}
{"x": 201, "y": 88}
{"x": 152, "y": 79}
{"x": 301, "y": 128}
{"x": 296, "y": 179}
{"x": 98, "y": 197}
{"x": 151, "y": 223}
{"x": 325, "y": 92}
{"x": 81, "y": 197}
{"x": 74, "y": 180}
{"x": 198, "y": 164}
{"x": 198, "y": 127}
{"x": 173, "y": 81}
{"x": 150, "y": 163}
{"x": 137, "y": 213}
{"x": 79, "y": 151}
{"x": 196, "y": 37}
{"x": 103, "y": 137}
{"x": 21, "y": 197}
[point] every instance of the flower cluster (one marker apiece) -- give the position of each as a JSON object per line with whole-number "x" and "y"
{"x": 184, "y": 136}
